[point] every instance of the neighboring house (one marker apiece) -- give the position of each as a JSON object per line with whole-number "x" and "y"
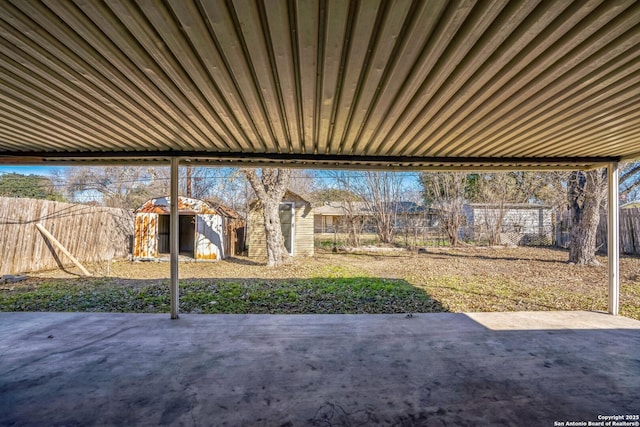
{"x": 206, "y": 232}
{"x": 296, "y": 219}
{"x": 330, "y": 217}
{"x": 411, "y": 214}
{"x": 522, "y": 223}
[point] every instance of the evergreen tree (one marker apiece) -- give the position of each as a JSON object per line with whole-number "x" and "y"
{"x": 28, "y": 186}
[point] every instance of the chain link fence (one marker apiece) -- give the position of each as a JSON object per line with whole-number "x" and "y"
{"x": 434, "y": 236}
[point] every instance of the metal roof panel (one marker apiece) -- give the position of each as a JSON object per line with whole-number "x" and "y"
{"x": 408, "y": 83}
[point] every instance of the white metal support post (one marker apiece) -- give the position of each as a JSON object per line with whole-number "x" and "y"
{"x": 174, "y": 232}
{"x": 613, "y": 238}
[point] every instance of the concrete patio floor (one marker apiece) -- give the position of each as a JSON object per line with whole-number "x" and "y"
{"x": 325, "y": 370}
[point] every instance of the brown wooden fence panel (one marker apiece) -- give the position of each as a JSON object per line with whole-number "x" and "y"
{"x": 89, "y": 233}
{"x": 629, "y": 231}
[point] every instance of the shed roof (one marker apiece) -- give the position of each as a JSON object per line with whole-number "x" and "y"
{"x": 225, "y": 210}
{"x": 367, "y": 84}
{"x": 186, "y": 205}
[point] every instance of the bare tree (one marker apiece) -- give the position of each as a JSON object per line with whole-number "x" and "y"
{"x": 351, "y": 222}
{"x": 554, "y": 190}
{"x": 270, "y": 185}
{"x": 586, "y": 195}
{"x": 494, "y": 192}
{"x": 219, "y": 184}
{"x": 411, "y": 218}
{"x": 497, "y": 191}
{"x": 118, "y": 186}
{"x": 302, "y": 182}
{"x": 128, "y": 186}
{"x": 381, "y": 193}
{"x": 445, "y": 192}
{"x": 630, "y": 182}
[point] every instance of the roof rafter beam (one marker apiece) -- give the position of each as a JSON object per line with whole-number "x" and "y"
{"x": 310, "y": 160}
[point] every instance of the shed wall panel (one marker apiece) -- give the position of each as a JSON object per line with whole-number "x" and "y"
{"x": 304, "y": 242}
{"x": 146, "y": 236}
{"x": 209, "y": 237}
{"x": 303, "y": 230}
{"x": 256, "y": 240}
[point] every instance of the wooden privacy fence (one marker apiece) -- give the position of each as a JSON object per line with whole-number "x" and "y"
{"x": 89, "y": 233}
{"x": 629, "y": 231}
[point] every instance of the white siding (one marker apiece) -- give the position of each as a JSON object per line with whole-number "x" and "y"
{"x": 303, "y": 231}
{"x": 520, "y": 225}
{"x": 209, "y": 237}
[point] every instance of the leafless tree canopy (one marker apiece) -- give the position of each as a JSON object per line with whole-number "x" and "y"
{"x": 129, "y": 187}
{"x": 379, "y": 192}
{"x": 445, "y": 192}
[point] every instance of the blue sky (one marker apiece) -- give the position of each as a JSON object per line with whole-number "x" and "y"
{"x": 30, "y": 170}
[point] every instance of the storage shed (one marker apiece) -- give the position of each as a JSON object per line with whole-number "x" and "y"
{"x": 207, "y": 232}
{"x": 296, "y": 219}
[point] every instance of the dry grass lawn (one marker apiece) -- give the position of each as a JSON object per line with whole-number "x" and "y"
{"x": 458, "y": 280}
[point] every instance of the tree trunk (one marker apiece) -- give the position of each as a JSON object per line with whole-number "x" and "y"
{"x": 277, "y": 253}
{"x": 494, "y": 225}
{"x": 354, "y": 228}
{"x": 586, "y": 194}
{"x": 384, "y": 227}
{"x": 452, "y": 234}
{"x": 270, "y": 187}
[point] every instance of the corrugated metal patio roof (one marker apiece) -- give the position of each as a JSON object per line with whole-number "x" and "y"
{"x": 388, "y": 84}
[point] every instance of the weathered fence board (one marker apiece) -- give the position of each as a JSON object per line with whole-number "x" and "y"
{"x": 89, "y": 233}
{"x": 629, "y": 231}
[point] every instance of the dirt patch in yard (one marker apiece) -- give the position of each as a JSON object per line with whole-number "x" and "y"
{"x": 460, "y": 280}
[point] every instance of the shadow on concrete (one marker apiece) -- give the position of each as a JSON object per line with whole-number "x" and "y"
{"x": 339, "y": 370}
